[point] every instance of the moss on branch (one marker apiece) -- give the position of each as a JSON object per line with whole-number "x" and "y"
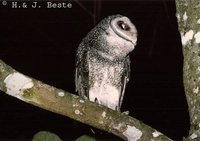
{"x": 59, "y": 101}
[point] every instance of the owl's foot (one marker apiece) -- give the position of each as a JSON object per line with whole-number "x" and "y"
{"x": 117, "y": 108}
{"x": 85, "y": 97}
{"x": 125, "y": 113}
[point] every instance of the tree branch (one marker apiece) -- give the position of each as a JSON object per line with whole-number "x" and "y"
{"x": 188, "y": 15}
{"x": 59, "y": 101}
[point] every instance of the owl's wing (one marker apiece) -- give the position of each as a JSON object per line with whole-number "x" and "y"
{"x": 82, "y": 73}
{"x": 125, "y": 78}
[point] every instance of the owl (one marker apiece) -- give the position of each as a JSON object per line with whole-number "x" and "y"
{"x": 103, "y": 63}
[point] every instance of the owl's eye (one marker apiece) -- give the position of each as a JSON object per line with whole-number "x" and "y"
{"x": 123, "y": 25}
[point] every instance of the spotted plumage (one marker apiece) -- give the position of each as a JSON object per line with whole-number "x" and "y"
{"x": 102, "y": 61}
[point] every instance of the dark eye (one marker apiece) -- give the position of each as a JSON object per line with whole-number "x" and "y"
{"x": 123, "y": 25}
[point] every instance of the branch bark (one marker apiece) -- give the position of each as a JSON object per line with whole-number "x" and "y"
{"x": 59, "y": 101}
{"x": 188, "y": 15}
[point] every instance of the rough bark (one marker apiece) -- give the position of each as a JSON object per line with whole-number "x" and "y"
{"x": 188, "y": 15}
{"x": 56, "y": 100}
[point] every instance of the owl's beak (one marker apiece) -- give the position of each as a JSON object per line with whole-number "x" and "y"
{"x": 134, "y": 42}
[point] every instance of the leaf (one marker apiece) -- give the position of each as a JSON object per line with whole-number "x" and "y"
{"x": 85, "y": 138}
{"x": 45, "y": 136}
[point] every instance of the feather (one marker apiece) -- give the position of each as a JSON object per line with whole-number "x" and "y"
{"x": 103, "y": 63}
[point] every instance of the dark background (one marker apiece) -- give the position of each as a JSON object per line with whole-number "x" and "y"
{"x": 42, "y": 43}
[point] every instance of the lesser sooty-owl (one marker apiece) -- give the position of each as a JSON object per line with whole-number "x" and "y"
{"x": 102, "y": 61}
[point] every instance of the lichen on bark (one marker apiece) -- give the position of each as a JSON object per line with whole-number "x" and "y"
{"x": 59, "y": 101}
{"x": 188, "y": 15}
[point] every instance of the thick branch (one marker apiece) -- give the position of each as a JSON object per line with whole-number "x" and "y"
{"x": 188, "y": 15}
{"x": 56, "y": 100}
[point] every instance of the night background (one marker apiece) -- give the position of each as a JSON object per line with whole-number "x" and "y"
{"x": 42, "y": 43}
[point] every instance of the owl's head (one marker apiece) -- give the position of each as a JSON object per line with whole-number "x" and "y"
{"x": 114, "y": 37}
{"x": 123, "y": 28}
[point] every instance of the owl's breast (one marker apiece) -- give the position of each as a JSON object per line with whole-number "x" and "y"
{"x": 107, "y": 95}
{"x": 105, "y": 86}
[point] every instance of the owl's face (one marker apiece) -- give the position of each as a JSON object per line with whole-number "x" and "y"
{"x": 120, "y": 36}
{"x": 124, "y": 28}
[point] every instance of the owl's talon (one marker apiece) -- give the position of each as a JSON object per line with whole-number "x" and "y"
{"x": 117, "y": 108}
{"x": 85, "y": 97}
{"x": 125, "y": 113}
